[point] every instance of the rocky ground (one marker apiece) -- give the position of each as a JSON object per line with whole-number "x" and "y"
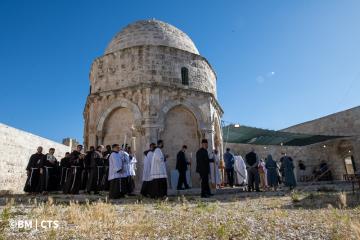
{"x": 325, "y": 214}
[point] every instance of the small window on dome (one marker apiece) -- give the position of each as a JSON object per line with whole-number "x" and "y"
{"x": 184, "y": 76}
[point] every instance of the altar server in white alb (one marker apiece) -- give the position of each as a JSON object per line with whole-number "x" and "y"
{"x": 146, "y": 178}
{"x": 215, "y": 169}
{"x": 117, "y": 186}
{"x": 158, "y": 175}
{"x": 240, "y": 171}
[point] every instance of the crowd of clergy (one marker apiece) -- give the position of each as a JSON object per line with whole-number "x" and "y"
{"x": 96, "y": 170}
{"x": 113, "y": 169}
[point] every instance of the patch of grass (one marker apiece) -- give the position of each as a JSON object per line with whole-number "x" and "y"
{"x": 183, "y": 218}
{"x": 342, "y": 200}
{"x": 201, "y": 207}
{"x": 162, "y": 206}
{"x": 295, "y": 197}
{"x": 355, "y": 226}
{"x": 6, "y": 214}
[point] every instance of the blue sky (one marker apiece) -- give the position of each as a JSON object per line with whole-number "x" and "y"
{"x": 278, "y": 63}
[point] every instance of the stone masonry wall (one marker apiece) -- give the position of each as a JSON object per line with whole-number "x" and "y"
{"x": 151, "y": 64}
{"x": 345, "y": 123}
{"x": 16, "y": 147}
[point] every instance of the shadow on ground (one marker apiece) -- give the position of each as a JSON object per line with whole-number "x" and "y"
{"x": 320, "y": 200}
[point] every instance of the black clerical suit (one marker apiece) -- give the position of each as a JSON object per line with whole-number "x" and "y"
{"x": 203, "y": 168}
{"x": 181, "y": 166}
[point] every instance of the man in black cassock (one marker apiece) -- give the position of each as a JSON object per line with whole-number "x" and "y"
{"x": 105, "y": 181}
{"x": 64, "y": 170}
{"x": 86, "y": 168}
{"x": 96, "y": 171}
{"x": 252, "y": 163}
{"x": 73, "y": 180}
{"x": 50, "y": 167}
{"x": 203, "y": 168}
{"x": 181, "y": 166}
{"x": 33, "y": 170}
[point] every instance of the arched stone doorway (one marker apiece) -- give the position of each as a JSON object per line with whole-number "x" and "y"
{"x": 181, "y": 128}
{"x": 118, "y": 124}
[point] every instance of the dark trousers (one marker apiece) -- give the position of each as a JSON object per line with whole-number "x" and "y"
{"x": 182, "y": 180}
{"x": 230, "y": 176}
{"x": 253, "y": 178}
{"x": 205, "y": 188}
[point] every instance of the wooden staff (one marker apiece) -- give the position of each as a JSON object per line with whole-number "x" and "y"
{"x": 191, "y": 154}
{"x": 124, "y": 141}
{"x": 213, "y": 184}
{"x": 134, "y": 144}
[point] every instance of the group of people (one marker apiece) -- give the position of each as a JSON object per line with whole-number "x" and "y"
{"x": 255, "y": 172}
{"x": 113, "y": 169}
{"x": 154, "y": 179}
{"x": 78, "y": 171}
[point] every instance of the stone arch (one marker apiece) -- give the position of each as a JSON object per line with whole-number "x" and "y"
{"x": 180, "y": 128}
{"x": 122, "y": 103}
{"x": 111, "y": 109}
{"x": 199, "y": 115}
{"x": 118, "y": 127}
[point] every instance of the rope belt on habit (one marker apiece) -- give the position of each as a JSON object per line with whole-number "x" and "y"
{"x": 66, "y": 172}
{"x": 47, "y": 177}
{"x": 31, "y": 175}
{"x": 62, "y": 173}
{"x": 76, "y": 167}
{"x": 98, "y": 174}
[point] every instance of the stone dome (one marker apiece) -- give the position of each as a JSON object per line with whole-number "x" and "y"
{"x": 151, "y": 32}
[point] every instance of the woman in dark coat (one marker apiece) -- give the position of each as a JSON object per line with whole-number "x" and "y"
{"x": 272, "y": 175}
{"x": 287, "y": 168}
